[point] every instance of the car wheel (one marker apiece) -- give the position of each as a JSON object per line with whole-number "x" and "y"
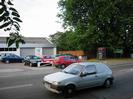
{"x": 62, "y": 66}
{"x": 7, "y": 62}
{"x": 22, "y": 61}
{"x": 56, "y": 66}
{"x": 31, "y": 64}
{"x": 108, "y": 83}
{"x": 69, "y": 90}
{"x": 25, "y": 63}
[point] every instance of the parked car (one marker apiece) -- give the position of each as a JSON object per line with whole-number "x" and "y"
{"x": 79, "y": 76}
{"x": 2, "y": 55}
{"x": 10, "y": 58}
{"x": 63, "y": 55}
{"x": 48, "y": 59}
{"x": 64, "y": 61}
{"x": 32, "y": 60}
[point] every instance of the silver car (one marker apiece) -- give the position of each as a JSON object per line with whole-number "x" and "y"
{"x": 79, "y": 76}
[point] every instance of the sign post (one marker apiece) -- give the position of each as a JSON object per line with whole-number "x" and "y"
{"x": 118, "y": 52}
{"x": 101, "y": 53}
{"x": 38, "y": 52}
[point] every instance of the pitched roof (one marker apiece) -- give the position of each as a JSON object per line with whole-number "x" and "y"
{"x": 32, "y": 40}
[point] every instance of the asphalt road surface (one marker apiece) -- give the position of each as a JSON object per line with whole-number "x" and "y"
{"x": 19, "y": 82}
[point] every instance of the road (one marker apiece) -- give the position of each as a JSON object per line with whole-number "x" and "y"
{"x": 19, "y": 82}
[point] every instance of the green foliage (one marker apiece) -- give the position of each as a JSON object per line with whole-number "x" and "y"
{"x": 9, "y": 21}
{"x": 99, "y": 23}
{"x": 15, "y": 38}
{"x": 65, "y": 41}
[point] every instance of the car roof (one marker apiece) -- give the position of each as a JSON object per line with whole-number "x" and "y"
{"x": 89, "y": 63}
{"x": 5, "y": 53}
{"x": 31, "y": 56}
{"x": 64, "y": 56}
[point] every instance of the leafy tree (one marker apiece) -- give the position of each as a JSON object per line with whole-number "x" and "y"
{"x": 55, "y": 37}
{"x": 99, "y": 23}
{"x": 9, "y": 21}
{"x": 64, "y": 41}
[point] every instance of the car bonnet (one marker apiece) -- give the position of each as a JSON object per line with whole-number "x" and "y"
{"x": 58, "y": 77}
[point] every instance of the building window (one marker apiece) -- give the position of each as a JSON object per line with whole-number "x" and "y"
{"x": 1, "y": 49}
{"x": 8, "y": 49}
{"x": 14, "y": 49}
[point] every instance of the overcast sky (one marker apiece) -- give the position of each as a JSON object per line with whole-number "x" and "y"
{"x": 38, "y": 16}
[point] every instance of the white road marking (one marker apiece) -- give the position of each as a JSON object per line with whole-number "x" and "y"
{"x": 16, "y": 86}
{"x": 5, "y": 76}
{"x": 127, "y": 70}
{"x": 10, "y": 70}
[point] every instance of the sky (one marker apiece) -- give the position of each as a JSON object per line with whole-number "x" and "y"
{"x": 38, "y": 16}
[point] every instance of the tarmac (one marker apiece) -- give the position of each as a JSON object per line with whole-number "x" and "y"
{"x": 13, "y": 67}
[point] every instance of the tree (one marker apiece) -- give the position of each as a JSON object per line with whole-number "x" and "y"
{"x": 65, "y": 41}
{"x": 99, "y": 23}
{"x": 9, "y": 21}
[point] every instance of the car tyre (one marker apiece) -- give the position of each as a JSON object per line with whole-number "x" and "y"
{"x": 22, "y": 61}
{"x": 62, "y": 66}
{"x": 31, "y": 64}
{"x": 25, "y": 63}
{"x": 108, "y": 83}
{"x": 69, "y": 91}
{"x": 7, "y": 61}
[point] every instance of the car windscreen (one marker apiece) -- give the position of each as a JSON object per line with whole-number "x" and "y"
{"x": 57, "y": 58}
{"x": 73, "y": 69}
{"x": 35, "y": 57}
{"x": 49, "y": 57}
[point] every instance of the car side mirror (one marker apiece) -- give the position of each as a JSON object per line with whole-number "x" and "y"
{"x": 82, "y": 74}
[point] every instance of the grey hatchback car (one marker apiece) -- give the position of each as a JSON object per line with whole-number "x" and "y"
{"x": 79, "y": 76}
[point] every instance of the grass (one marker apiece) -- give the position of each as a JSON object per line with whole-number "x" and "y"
{"x": 113, "y": 61}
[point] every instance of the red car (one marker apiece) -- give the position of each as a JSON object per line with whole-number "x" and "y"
{"x": 64, "y": 61}
{"x": 47, "y": 60}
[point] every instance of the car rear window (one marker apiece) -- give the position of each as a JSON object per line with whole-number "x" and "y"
{"x": 90, "y": 69}
{"x": 57, "y": 58}
{"x": 66, "y": 58}
{"x": 35, "y": 57}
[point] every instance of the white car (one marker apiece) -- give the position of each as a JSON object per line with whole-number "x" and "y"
{"x": 79, "y": 76}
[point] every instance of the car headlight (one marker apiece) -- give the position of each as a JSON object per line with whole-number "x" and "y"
{"x": 56, "y": 83}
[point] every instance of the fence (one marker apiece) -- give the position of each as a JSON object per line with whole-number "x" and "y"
{"x": 88, "y": 54}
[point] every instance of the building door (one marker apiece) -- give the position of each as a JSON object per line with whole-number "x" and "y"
{"x": 27, "y": 51}
{"x": 48, "y": 51}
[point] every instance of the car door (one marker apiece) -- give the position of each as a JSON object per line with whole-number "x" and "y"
{"x": 89, "y": 77}
{"x": 67, "y": 61}
{"x": 101, "y": 73}
{"x": 73, "y": 60}
{"x": 17, "y": 58}
{"x": 10, "y": 58}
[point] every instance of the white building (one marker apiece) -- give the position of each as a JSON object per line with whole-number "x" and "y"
{"x": 33, "y": 46}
